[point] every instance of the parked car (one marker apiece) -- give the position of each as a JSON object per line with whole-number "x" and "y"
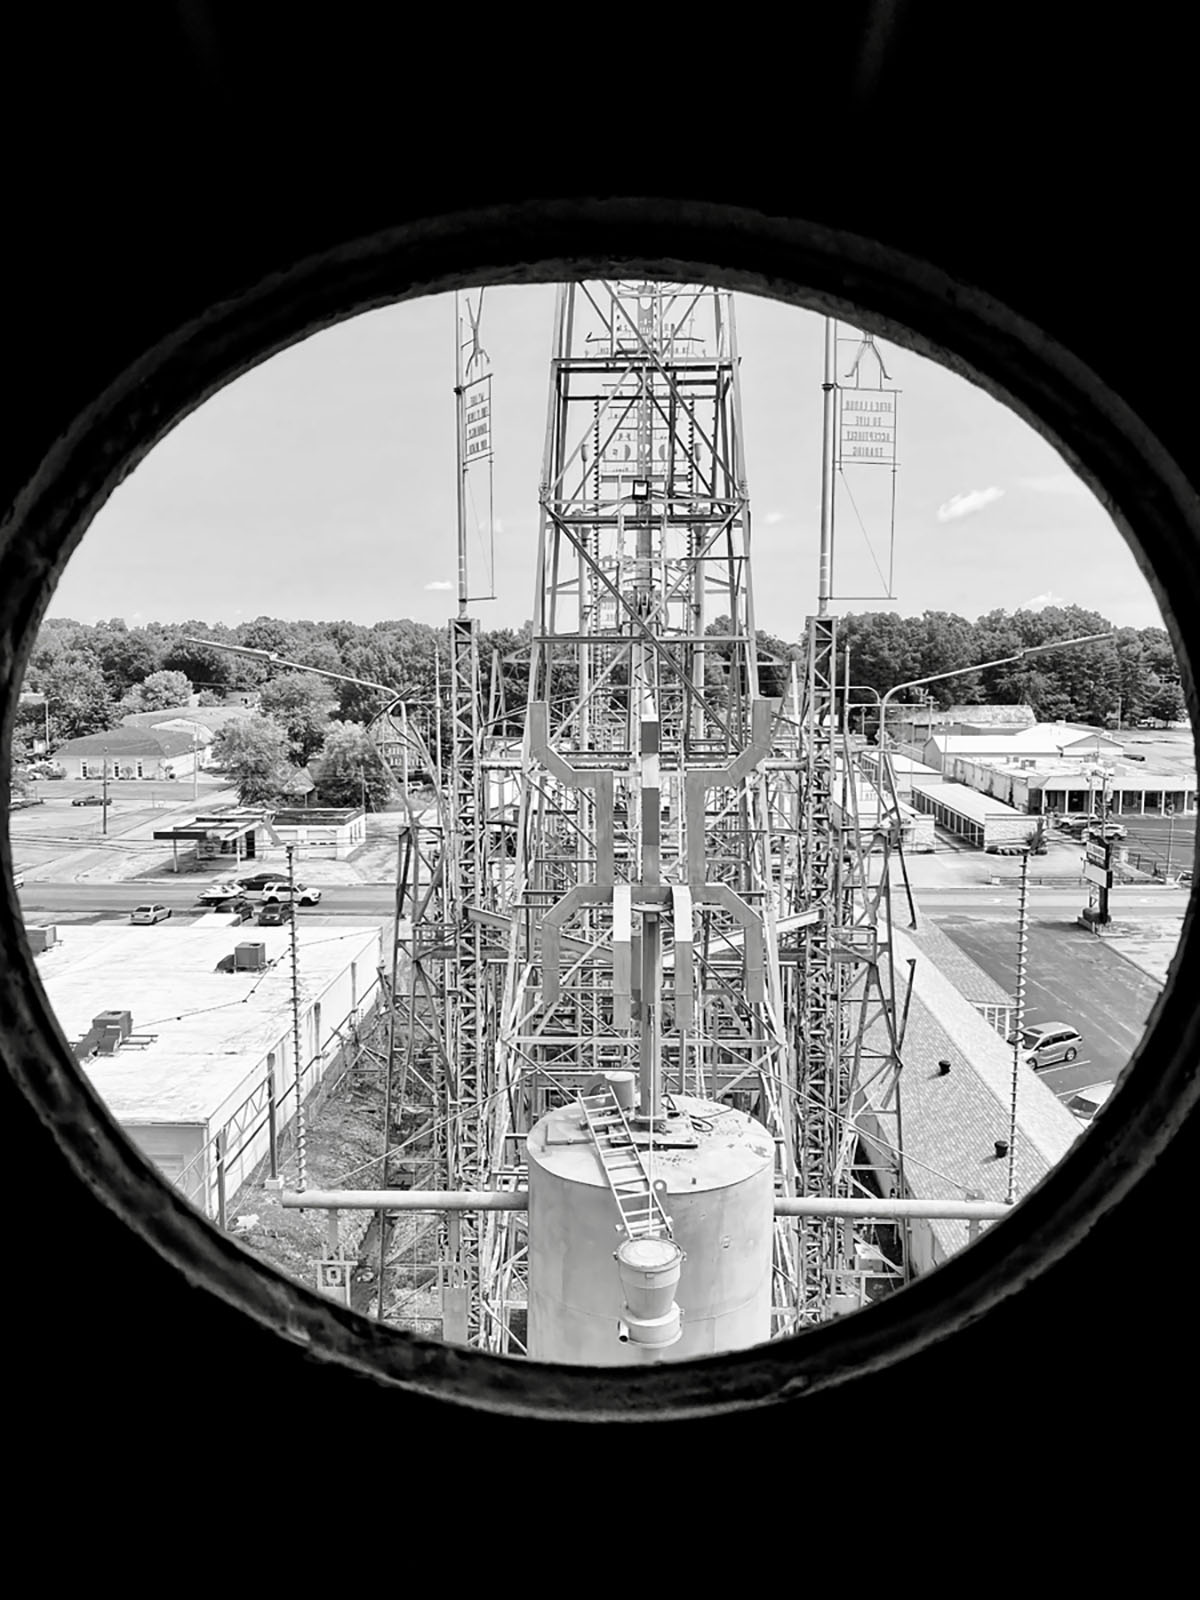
{"x": 1075, "y": 824}
{"x": 1048, "y": 1043}
{"x": 1108, "y": 830}
{"x": 150, "y": 914}
{"x": 237, "y": 906}
{"x": 1185, "y": 876}
{"x": 281, "y": 889}
{"x": 276, "y": 913}
{"x": 18, "y": 880}
{"x": 20, "y": 801}
{"x": 91, "y": 800}
{"x": 254, "y": 884}
{"x": 1085, "y": 1103}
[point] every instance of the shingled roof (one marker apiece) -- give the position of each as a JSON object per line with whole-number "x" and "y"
{"x": 992, "y": 716}
{"x": 951, "y": 1121}
{"x": 971, "y": 981}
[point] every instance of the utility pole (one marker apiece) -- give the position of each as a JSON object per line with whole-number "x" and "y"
{"x": 104, "y": 795}
{"x": 298, "y": 1063}
{"x": 195, "y": 768}
{"x": 1170, "y": 809}
{"x": 1019, "y": 1023}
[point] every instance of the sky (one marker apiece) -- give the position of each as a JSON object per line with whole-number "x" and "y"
{"x": 321, "y": 485}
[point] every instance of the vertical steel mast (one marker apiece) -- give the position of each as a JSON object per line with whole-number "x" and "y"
{"x": 846, "y": 978}
{"x": 649, "y": 902}
{"x": 465, "y": 1076}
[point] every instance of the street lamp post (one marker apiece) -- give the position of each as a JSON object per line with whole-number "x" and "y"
{"x": 978, "y": 666}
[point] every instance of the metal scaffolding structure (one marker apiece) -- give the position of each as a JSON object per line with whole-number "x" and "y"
{"x": 667, "y": 876}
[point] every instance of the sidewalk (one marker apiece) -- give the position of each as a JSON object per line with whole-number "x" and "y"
{"x": 1149, "y": 946}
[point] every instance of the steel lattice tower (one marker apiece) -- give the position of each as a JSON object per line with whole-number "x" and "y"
{"x": 746, "y": 965}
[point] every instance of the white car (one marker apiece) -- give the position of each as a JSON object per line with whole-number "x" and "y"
{"x": 19, "y": 880}
{"x": 282, "y": 890}
{"x": 1046, "y": 1043}
{"x": 1085, "y": 1103}
{"x": 149, "y": 914}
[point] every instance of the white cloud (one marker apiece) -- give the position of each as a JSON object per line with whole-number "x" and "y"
{"x": 774, "y": 517}
{"x": 1041, "y": 601}
{"x": 1055, "y": 483}
{"x": 440, "y": 584}
{"x": 965, "y": 505}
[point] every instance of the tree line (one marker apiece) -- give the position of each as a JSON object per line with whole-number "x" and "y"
{"x": 92, "y": 675}
{"x": 1132, "y": 674}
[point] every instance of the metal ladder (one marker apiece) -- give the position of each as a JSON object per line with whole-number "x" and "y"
{"x": 641, "y": 1211}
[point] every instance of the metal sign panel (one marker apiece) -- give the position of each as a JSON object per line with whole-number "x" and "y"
{"x": 477, "y": 418}
{"x": 1097, "y": 853}
{"x": 1097, "y": 875}
{"x": 867, "y": 426}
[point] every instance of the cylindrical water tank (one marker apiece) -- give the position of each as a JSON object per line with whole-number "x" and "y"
{"x": 720, "y": 1197}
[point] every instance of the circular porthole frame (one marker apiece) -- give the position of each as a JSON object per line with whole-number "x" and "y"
{"x": 908, "y": 301}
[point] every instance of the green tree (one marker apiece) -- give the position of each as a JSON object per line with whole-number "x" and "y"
{"x": 125, "y": 658}
{"x": 1159, "y": 652}
{"x": 206, "y": 669}
{"x": 1167, "y": 704}
{"x": 350, "y": 769}
{"x": 885, "y": 648}
{"x": 255, "y": 753}
{"x": 945, "y": 643}
{"x": 300, "y": 703}
{"x": 79, "y": 699}
{"x": 161, "y": 691}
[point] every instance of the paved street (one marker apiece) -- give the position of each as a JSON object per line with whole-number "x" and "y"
{"x": 103, "y": 900}
{"x": 1128, "y": 902}
{"x": 1072, "y": 977}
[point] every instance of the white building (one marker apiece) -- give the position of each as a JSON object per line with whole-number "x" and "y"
{"x": 986, "y": 823}
{"x": 1131, "y": 789}
{"x": 1045, "y": 741}
{"x": 190, "y": 1045}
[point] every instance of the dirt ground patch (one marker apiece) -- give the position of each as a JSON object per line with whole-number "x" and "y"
{"x": 343, "y": 1149}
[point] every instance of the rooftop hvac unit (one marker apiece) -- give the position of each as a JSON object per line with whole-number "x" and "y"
{"x": 42, "y": 939}
{"x": 121, "y": 1020}
{"x": 250, "y": 958}
{"x": 109, "y": 1041}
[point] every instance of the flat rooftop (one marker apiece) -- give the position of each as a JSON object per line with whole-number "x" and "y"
{"x": 213, "y": 1028}
{"x": 967, "y": 802}
{"x": 1143, "y": 774}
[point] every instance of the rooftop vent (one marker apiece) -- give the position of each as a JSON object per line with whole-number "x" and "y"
{"x": 250, "y": 958}
{"x": 121, "y": 1020}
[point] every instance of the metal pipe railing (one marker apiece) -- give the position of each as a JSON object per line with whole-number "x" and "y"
{"x": 518, "y": 1200}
